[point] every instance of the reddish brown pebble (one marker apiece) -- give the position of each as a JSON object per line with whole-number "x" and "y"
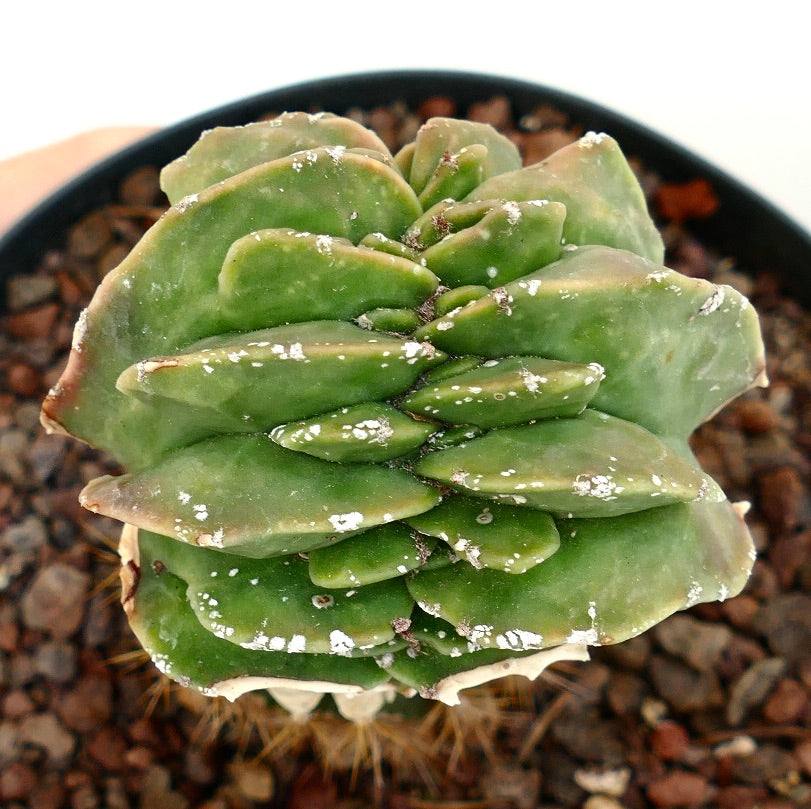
{"x": 669, "y": 740}
{"x": 16, "y": 704}
{"x": 108, "y": 748}
{"x": 17, "y": 781}
{"x": 537, "y": 146}
{"x": 22, "y": 379}
{"x": 34, "y": 323}
{"x": 89, "y": 236}
{"x": 787, "y": 702}
{"x": 678, "y": 788}
{"x": 496, "y": 112}
{"x": 782, "y": 494}
{"x": 682, "y": 201}
{"x": 741, "y": 797}
{"x": 757, "y": 415}
{"x": 437, "y": 107}
{"x": 141, "y": 187}
{"x": 740, "y": 611}
{"x": 139, "y": 757}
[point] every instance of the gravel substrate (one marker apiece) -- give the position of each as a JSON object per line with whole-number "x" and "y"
{"x": 711, "y": 708}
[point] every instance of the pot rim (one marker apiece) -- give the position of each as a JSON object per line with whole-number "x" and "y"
{"x": 746, "y": 226}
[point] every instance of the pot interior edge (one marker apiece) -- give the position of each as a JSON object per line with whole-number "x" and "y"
{"x": 746, "y": 227}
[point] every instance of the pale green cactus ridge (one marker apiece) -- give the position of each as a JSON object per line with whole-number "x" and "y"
{"x": 222, "y": 152}
{"x": 453, "y": 366}
{"x": 455, "y": 176}
{"x": 380, "y": 554}
{"x": 439, "y": 635}
{"x": 509, "y": 242}
{"x": 174, "y": 268}
{"x": 439, "y": 137}
{"x": 604, "y": 201}
{"x": 277, "y": 276}
{"x": 272, "y": 605}
{"x": 164, "y": 623}
{"x": 446, "y": 302}
{"x": 507, "y": 392}
{"x": 674, "y": 349}
{"x": 454, "y": 436}
{"x": 383, "y": 244}
{"x": 611, "y": 579}
{"x": 246, "y": 495}
{"x": 591, "y": 465}
{"x": 404, "y": 158}
{"x": 365, "y": 433}
{"x": 491, "y": 535}
{"x": 268, "y": 377}
{"x": 446, "y": 217}
{"x": 394, "y": 321}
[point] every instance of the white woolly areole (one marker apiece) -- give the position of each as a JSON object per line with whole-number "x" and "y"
{"x": 447, "y": 690}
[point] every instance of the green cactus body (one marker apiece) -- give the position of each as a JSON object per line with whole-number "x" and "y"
{"x": 404, "y": 424}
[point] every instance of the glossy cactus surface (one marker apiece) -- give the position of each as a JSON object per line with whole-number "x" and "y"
{"x": 404, "y": 423}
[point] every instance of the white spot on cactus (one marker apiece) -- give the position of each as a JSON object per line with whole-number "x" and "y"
{"x": 513, "y": 212}
{"x": 340, "y": 643}
{"x": 431, "y": 609}
{"x": 657, "y": 276}
{"x": 322, "y": 601}
{"x": 346, "y": 522}
{"x": 591, "y": 139}
{"x": 233, "y": 572}
{"x": 599, "y": 373}
{"x": 402, "y": 569}
{"x": 723, "y": 592}
{"x": 336, "y": 153}
{"x": 694, "y": 593}
{"x": 385, "y": 661}
{"x": 656, "y": 480}
{"x": 365, "y": 322}
{"x": 485, "y": 518}
{"x": 79, "y": 332}
{"x": 532, "y": 381}
{"x": 445, "y": 325}
{"x": 519, "y": 640}
{"x": 201, "y": 511}
{"x": 208, "y": 369}
{"x": 184, "y": 204}
{"x": 254, "y": 582}
{"x": 602, "y": 487}
{"x": 492, "y": 272}
{"x": 184, "y": 497}
{"x": 712, "y": 303}
{"x": 298, "y": 643}
{"x": 323, "y": 244}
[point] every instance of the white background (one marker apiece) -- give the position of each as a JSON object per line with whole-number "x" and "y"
{"x": 728, "y": 83}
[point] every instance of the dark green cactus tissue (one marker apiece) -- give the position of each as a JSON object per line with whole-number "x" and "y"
{"x": 404, "y": 424}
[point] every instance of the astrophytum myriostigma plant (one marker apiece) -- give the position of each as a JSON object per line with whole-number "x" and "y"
{"x": 403, "y": 424}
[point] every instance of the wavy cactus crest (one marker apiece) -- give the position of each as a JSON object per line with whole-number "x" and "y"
{"x": 403, "y": 424}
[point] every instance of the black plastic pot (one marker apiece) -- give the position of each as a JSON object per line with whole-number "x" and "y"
{"x": 745, "y": 226}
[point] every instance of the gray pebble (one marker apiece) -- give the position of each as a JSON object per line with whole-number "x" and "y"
{"x": 13, "y": 445}
{"x": 27, "y": 290}
{"x": 56, "y": 660}
{"x": 45, "y": 731}
{"x": 26, "y": 536}
{"x": 46, "y": 454}
{"x": 752, "y": 686}
{"x": 698, "y": 643}
{"x": 55, "y": 600}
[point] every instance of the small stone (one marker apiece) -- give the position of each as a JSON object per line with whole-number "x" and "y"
{"x": 253, "y": 780}
{"x": 669, "y": 740}
{"x": 606, "y": 782}
{"x": 739, "y": 796}
{"x": 17, "y": 704}
{"x": 55, "y": 600}
{"x": 38, "y": 322}
{"x": 698, "y": 643}
{"x": 84, "y": 797}
{"x": 108, "y": 747}
{"x": 46, "y": 454}
{"x": 683, "y": 688}
{"x": 437, "y": 107}
{"x": 9, "y": 742}
{"x": 752, "y": 686}
{"x": 495, "y": 111}
{"x": 678, "y": 788}
{"x": 785, "y": 622}
{"x": 199, "y": 766}
{"x": 115, "y": 794}
{"x": 757, "y": 415}
{"x": 787, "y": 702}
{"x": 157, "y": 791}
{"x": 512, "y": 784}
{"x": 139, "y": 757}
{"x": 48, "y": 794}
{"x": 765, "y": 764}
{"x": 602, "y": 802}
{"x": 27, "y": 536}
{"x": 47, "y": 732}
{"x": 88, "y": 237}
{"x": 784, "y": 500}
{"x": 88, "y": 705}
{"x": 22, "y": 379}
{"x": 141, "y": 187}
{"x": 23, "y": 291}
{"x": 17, "y": 781}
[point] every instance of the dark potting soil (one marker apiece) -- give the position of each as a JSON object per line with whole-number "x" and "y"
{"x": 711, "y": 708}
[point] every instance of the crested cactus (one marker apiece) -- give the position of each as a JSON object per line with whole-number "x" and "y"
{"x": 403, "y": 424}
